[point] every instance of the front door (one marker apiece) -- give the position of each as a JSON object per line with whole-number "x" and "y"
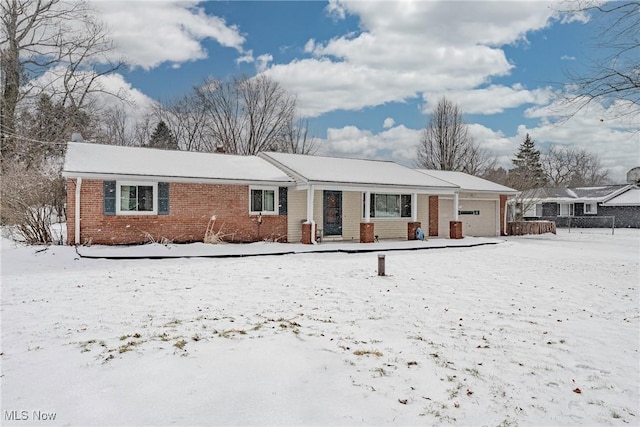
{"x": 332, "y": 208}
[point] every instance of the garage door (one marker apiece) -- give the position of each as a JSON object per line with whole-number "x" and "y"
{"x": 478, "y": 217}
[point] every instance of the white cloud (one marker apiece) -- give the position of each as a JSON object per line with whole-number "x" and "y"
{"x": 335, "y": 10}
{"x": 398, "y": 144}
{"x": 247, "y": 57}
{"x": 610, "y": 132}
{"x": 493, "y": 99}
{"x": 568, "y": 58}
{"x": 309, "y": 46}
{"x": 138, "y": 103}
{"x": 388, "y": 122}
{"x": 150, "y": 33}
{"x": 263, "y": 62}
{"x": 407, "y": 48}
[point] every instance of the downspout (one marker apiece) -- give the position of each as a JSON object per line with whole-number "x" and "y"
{"x": 76, "y": 218}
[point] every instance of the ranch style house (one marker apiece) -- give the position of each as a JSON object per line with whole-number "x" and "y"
{"x": 133, "y": 195}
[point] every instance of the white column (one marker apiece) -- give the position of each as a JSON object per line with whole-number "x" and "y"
{"x": 310, "y": 196}
{"x": 310, "y": 204}
{"x": 455, "y": 206}
{"x": 414, "y": 207}
{"x": 76, "y": 218}
{"x": 367, "y": 206}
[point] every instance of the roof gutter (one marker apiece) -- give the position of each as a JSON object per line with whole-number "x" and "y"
{"x": 195, "y": 180}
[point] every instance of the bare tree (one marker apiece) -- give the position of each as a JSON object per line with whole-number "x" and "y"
{"x": 187, "y": 118}
{"x": 31, "y": 200}
{"x": 247, "y": 115}
{"x": 614, "y": 75}
{"x": 44, "y": 127}
{"x": 445, "y": 143}
{"x": 496, "y": 174}
{"x": 115, "y": 127}
{"x": 297, "y": 138}
{"x": 573, "y": 167}
{"x": 53, "y": 37}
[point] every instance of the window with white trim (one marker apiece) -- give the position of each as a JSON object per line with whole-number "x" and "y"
{"x": 566, "y": 209}
{"x": 389, "y": 206}
{"x": 136, "y": 198}
{"x": 263, "y": 201}
{"x": 590, "y": 208}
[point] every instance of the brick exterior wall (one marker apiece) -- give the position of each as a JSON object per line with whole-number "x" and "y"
{"x": 191, "y": 206}
{"x": 433, "y": 215}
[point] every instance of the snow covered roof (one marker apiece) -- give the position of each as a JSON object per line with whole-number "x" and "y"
{"x": 100, "y": 161}
{"x": 319, "y": 170}
{"x": 631, "y": 197}
{"x": 578, "y": 194}
{"x": 468, "y": 183}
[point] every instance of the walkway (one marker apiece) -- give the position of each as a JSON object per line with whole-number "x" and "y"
{"x": 226, "y": 250}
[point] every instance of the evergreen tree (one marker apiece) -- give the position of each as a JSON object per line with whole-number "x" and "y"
{"x": 163, "y": 138}
{"x": 527, "y": 173}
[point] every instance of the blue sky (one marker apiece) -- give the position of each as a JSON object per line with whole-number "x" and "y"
{"x": 368, "y": 73}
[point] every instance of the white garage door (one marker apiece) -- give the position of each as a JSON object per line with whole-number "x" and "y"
{"x": 478, "y": 217}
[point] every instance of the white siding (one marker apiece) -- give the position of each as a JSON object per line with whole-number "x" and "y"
{"x": 296, "y": 214}
{"x": 351, "y": 215}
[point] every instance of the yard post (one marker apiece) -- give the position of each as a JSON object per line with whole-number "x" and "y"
{"x": 381, "y": 265}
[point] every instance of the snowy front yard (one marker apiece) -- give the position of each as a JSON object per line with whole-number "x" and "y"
{"x": 538, "y": 330}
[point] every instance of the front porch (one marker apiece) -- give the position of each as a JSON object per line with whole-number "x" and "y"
{"x": 320, "y": 214}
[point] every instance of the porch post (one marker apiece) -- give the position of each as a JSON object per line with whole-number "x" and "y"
{"x": 366, "y": 227}
{"x": 455, "y": 206}
{"x": 455, "y": 226}
{"x": 414, "y": 207}
{"x": 309, "y": 227}
{"x": 367, "y": 206}
{"x": 310, "y": 204}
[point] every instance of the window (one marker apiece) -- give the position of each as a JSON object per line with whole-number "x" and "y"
{"x": 390, "y": 206}
{"x": 263, "y": 200}
{"x": 136, "y": 198}
{"x": 533, "y": 211}
{"x": 590, "y": 208}
{"x": 566, "y": 209}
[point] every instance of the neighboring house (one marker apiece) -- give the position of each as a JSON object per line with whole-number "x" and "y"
{"x": 124, "y": 195}
{"x": 625, "y": 206}
{"x": 586, "y": 206}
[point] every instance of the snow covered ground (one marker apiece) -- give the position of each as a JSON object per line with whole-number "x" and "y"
{"x": 537, "y": 330}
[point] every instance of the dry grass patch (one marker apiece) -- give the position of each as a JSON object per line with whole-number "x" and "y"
{"x": 367, "y": 352}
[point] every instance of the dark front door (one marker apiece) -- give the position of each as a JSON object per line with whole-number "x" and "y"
{"x": 332, "y": 208}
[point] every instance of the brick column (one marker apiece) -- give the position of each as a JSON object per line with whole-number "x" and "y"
{"x": 503, "y": 211}
{"x": 306, "y": 233}
{"x": 455, "y": 229}
{"x": 433, "y": 215}
{"x": 411, "y": 229}
{"x": 366, "y": 232}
